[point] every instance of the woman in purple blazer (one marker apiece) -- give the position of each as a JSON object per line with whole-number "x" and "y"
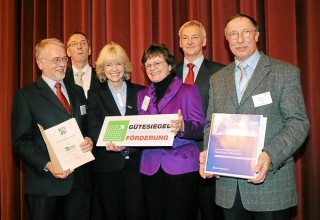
{"x": 170, "y": 173}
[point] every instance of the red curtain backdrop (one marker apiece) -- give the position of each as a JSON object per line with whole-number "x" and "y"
{"x": 290, "y": 31}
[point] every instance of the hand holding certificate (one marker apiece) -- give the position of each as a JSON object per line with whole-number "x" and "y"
{"x": 63, "y": 144}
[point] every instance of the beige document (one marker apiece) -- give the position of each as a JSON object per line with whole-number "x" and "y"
{"x": 63, "y": 142}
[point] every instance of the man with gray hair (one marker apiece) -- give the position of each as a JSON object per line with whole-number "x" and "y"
{"x": 259, "y": 85}
{"x": 50, "y": 101}
{"x": 196, "y": 69}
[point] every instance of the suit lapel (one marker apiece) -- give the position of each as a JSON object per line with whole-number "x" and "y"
{"x": 179, "y": 71}
{"x": 170, "y": 93}
{"x": 259, "y": 73}
{"x": 94, "y": 83}
{"x": 202, "y": 75}
{"x": 130, "y": 98}
{"x": 71, "y": 95}
{"x": 150, "y": 92}
{"x": 49, "y": 95}
{"x": 69, "y": 75}
{"x": 108, "y": 100}
{"x": 230, "y": 83}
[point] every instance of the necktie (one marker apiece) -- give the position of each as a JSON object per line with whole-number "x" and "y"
{"x": 243, "y": 82}
{"x": 62, "y": 98}
{"x": 190, "y": 76}
{"x": 79, "y": 80}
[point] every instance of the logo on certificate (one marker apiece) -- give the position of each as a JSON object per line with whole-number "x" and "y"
{"x": 116, "y": 130}
{"x": 62, "y": 130}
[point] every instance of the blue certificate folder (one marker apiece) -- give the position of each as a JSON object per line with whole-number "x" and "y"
{"x": 235, "y": 143}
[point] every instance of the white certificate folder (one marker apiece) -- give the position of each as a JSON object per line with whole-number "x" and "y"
{"x": 235, "y": 144}
{"x": 63, "y": 142}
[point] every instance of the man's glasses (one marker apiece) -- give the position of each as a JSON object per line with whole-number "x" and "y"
{"x": 155, "y": 65}
{"x": 83, "y": 43}
{"x": 57, "y": 60}
{"x": 245, "y": 34}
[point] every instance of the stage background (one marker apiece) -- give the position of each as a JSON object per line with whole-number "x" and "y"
{"x": 290, "y": 31}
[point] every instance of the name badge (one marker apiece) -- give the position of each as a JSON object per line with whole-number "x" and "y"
{"x": 145, "y": 103}
{"x": 83, "y": 110}
{"x": 262, "y": 99}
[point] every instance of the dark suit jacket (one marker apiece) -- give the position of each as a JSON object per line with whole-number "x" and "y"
{"x": 94, "y": 83}
{"x": 37, "y": 104}
{"x": 101, "y": 104}
{"x": 207, "y": 69}
{"x": 287, "y": 128}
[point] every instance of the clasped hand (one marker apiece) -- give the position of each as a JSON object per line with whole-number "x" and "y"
{"x": 112, "y": 147}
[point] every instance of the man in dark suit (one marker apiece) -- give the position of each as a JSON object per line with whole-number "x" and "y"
{"x": 192, "y": 41}
{"x": 79, "y": 51}
{"x": 257, "y": 84}
{"x": 81, "y": 73}
{"x": 50, "y": 195}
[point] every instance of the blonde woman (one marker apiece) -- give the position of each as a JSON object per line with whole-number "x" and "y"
{"x": 118, "y": 182}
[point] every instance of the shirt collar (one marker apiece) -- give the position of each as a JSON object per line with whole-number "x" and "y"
{"x": 252, "y": 61}
{"x": 85, "y": 69}
{"x": 197, "y": 62}
{"x": 122, "y": 90}
{"x": 51, "y": 83}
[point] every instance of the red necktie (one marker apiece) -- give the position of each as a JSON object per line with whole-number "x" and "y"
{"x": 62, "y": 98}
{"x": 190, "y": 77}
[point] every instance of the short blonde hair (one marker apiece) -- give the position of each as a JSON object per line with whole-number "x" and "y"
{"x": 193, "y": 23}
{"x": 40, "y": 46}
{"x": 113, "y": 53}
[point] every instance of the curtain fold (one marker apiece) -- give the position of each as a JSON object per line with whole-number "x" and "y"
{"x": 308, "y": 56}
{"x": 98, "y": 33}
{"x": 9, "y": 65}
{"x": 281, "y": 30}
{"x": 289, "y": 30}
{"x": 141, "y": 35}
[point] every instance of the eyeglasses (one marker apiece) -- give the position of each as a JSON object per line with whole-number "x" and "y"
{"x": 76, "y": 43}
{"x": 57, "y": 60}
{"x": 245, "y": 34}
{"x": 155, "y": 64}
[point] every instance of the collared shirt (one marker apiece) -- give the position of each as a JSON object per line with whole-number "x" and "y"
{"x": 120, "y": 98}
{"x": 197, "y": 64}
{"x": 51, "y": 83}
{"x": 86, "y": 77}
{"x": 250, "y": 65}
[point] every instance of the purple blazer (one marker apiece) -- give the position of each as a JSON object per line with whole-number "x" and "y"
{"x": 183, "y": 157}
